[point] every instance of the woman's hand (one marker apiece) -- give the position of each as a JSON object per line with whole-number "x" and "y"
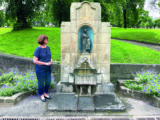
{"x": 35, "y": 60}
{"x": 49, "y": 63}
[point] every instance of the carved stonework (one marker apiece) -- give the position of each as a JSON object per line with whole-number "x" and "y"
{"x": 85, "y": 63}
{"x": 86, "y": 34}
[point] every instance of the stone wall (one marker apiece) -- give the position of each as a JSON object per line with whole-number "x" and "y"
{"x": 9, "y": 61}
{"x": 124, "y": 71}
{"x": 23, "y": 64}
{"x": 118, "y": 71}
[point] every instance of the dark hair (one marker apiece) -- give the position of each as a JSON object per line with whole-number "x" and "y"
{"x": 41, "y": 39}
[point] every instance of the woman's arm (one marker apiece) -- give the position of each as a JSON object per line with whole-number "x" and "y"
{"x": 35, "y": 60}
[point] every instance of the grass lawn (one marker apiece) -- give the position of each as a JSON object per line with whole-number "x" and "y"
{"x": 122, "y": 52}
{"x": 5, "y": 30}
{"x": 24, "y": 42}
{"x": 145, "y": 35}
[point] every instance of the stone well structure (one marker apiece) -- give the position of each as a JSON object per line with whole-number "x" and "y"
{"x": 85, "y": 63}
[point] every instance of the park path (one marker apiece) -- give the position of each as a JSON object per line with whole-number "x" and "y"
{"x": 148, "y": 45}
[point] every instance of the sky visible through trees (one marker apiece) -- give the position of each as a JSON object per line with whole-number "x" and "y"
{"x": 21, "y": 14}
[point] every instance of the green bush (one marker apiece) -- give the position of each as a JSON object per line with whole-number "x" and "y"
{"x": 15, "y": 81}
{"x": 6, "y": 79}
{"x": 133, "y": 85}
{"x": 146, "y": 81}
{"x": 20, "y": 26}
{"x": 157, "y": 22}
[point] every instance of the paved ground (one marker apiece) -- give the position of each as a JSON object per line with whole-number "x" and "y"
{"x": 155, "y": 47}
{"x": 33, "y": 107}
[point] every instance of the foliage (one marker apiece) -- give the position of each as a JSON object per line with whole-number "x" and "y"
{"x": 6, "y": 79}
{"x": 122, "y": 13}
{"x": 119, "y": 13}
{"x": 147, "y": 81}
{"x": 59, "y": 9}
{"x": 157, "y": 23}
{"x": 159, "y": 3}
{"x": 2, "y": 18}
{"x": 43, "y": 16}
{"x": 145, "y": 21}
{"x": 126, "y": 13}
{"x": 133, "y": 85}
{"x": 145, "y": 35}
{"x": 21, "y": 12}
{"x": 19, "y": 82}
{"x": 7, "y": 91}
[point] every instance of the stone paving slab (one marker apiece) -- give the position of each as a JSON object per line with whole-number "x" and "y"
{"x": 85, "y": 103}
{"x": 109, "y": 101}
{"x": 63, "y": 101}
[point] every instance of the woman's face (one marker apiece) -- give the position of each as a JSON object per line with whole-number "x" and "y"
{"x": 45, "y": 41}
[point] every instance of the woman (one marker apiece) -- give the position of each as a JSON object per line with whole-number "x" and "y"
{"x": 43, "y": 61}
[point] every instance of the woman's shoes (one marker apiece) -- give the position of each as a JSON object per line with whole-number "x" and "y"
{"x": 48, "y": 97}
{"x": 43, "y": 99}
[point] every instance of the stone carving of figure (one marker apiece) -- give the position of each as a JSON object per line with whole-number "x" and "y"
{"x": 85, "y": 40}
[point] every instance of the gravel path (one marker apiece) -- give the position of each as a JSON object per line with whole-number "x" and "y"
{"x": 152, "y": 46}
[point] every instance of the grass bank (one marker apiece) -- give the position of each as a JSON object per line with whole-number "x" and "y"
{"x": 144, "y": 35}
{"x": 122, "y": 52}
{"x": 24, "y": 42}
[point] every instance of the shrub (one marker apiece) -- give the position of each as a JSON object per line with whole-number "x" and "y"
{"x": 157, "y": 22}
{"x": 146, "y": 81}
{"x": 15, "y": 81}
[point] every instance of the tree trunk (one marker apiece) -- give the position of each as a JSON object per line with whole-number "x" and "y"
{"x": 21, "y": 22}
{"x": 125, "y": 18}
{"x": 60, "y": 21}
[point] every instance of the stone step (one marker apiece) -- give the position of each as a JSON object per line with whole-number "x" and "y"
{"x": 73, "y": 102}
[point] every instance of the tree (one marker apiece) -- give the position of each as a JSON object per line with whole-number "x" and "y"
{"x": 21, "y": 12}
{"x": 143, "y": 18}
{"x": 120, "y": 13}
{"x": 157, "y": 22}
{"x": 60, "y": 10}
{"x": 42, "y": 17}
{"x": 2, "y": 18}
{"x": 115, "y": 14}
{"x": 1, "y": 2}
{"x": 130, "y": 10}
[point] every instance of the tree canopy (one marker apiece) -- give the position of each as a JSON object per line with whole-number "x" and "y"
{"x": 2, "y": 18}
{"x": 21, "y": 12}
{"x": 120, "y": 13}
